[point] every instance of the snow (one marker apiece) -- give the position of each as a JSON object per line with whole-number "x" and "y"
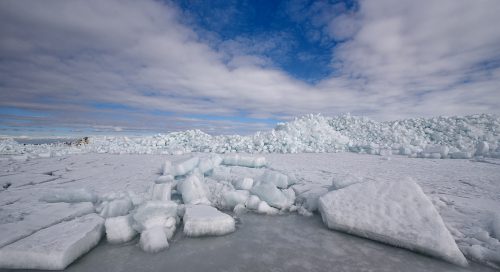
{"x": 495, "y": 226}
{"x": 193, "y": 190}
{"x": 55, "y": 247}
{"x": 33, "y": 218}
{"x": 397, "y": 213}
{"x": 465, "y": 193}
{"x": 153, "y": 240}
{"x": 119, "y": 229}
{"x": 69, "y": 196}
{"x": 201, "y": 220}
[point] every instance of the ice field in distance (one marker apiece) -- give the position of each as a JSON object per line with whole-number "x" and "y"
{"x": 401, "y": 184}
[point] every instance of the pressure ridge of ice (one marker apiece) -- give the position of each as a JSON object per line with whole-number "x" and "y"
{"x": 439, "y": 137}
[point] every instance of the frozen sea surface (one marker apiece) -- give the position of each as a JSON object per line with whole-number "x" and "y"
{"x": 466, "y": 194}
{"x": 265, "y": 243}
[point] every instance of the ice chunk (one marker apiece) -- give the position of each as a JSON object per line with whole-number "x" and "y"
{"x": 164, "y": 179}
{"x": 239, "y": 209}
{"x": 193, "y": 190}
{"x": 167, "y": 223}
{"x": 167, "y": 168}
{"x": 341, "y": 181}
{"x": 119, "y": 229}
{"x": 243, "y": 184}
{"x": 153, "y": 209}
{"x": 271, "y": 194}
{"x": 208, "y": 164}
{"x": 290, "y": 196}
{"x": 56, "y": 247}
{"x": 42, "y": 216}
{"x": 186, "y": 166}
{"x": 277, "y": 178}
{"x": 161, "y": 191}
{"x": 153, "y": 239}
{"x": 69, "y": 196}
{"x": 264, "y": 208}
{"x": 233, "y": 198}
{"x": 200, "y": 220}
{"x": 482, "y": 148}
{"x": 397, "y": 213}
{"x": 246, "y": 161}
{"x": 117, "y": 207}
{"x": 252, "y": 202}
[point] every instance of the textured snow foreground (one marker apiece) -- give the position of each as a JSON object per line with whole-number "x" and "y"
{"x": 54, "y": 210}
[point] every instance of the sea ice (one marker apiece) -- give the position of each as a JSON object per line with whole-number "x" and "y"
{"x": 201, "y": 220}
{"x": 277, "y": 178}
{"x": 271, "y": 194}
{"x": 116, "y": 207}
{"x": 183, "y": 168}
{"x": 397, "y": 213}
{"x": 193, "y": 190}
{"x": 153, "y": 239}
{"x": 341, "y": 181}
{"x": 243, "y": 184}
{"x": 161, "y": 191}
{"x": 264, "y": 208}
{"x": 69, "y": 196}
{"x": 246, "y": 161}
{"x": 55, "y": 247}
{"x": 252, "y": 202}
{"x": 153, "y": 209}
{"x": 119, "y": 229}
{"x": 38, "y": 217}
{"x": 233, "y": 198}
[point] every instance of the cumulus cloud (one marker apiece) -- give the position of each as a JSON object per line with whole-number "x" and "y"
{"x": 396, "y": 59}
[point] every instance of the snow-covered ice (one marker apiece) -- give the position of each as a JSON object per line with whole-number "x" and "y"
{"x": 464, "y": 192}
{"x": 397, "y": 213}
{"x": 161, "y": 191}
{"x": 193, "y": 190}
{"x": 202, "y": 220}
{"x": 54, "y": 247}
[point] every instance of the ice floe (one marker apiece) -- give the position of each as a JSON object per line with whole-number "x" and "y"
{"x": 397, "y": 213}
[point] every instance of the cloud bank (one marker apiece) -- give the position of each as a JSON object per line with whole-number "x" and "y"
{"x": 140, "y": 65}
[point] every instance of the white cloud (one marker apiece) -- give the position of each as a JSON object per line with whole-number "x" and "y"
{"x": 400, "y": 59}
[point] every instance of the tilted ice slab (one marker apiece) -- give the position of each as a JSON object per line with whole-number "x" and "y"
{"x": 397, "y": 213}
{"x": 56, "y": 247}
{"x": 43, "y": 215}
{"x": 200, "y": 220}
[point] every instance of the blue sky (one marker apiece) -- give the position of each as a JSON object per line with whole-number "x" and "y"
{"x": 138, "y": 67}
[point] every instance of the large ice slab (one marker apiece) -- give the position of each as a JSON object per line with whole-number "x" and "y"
{"x": 397, "y": 213}
{"x": 184, "y": 167}
{"x": 153, "y": 209}
{"x": 37, "y": 217}
{"x": 200, "y": 220}
{"x": 56, "y": 247}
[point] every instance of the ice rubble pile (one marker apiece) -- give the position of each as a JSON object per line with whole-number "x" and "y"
{"x": 196, "y": 191}
{"x": 439, "y": 137}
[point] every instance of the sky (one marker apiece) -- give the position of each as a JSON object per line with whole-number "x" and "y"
{"x": 139, "y": 67}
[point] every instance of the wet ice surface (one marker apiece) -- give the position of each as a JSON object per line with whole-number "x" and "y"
{"x": 465, "y": 192}
{"x": 265, "y": 243}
